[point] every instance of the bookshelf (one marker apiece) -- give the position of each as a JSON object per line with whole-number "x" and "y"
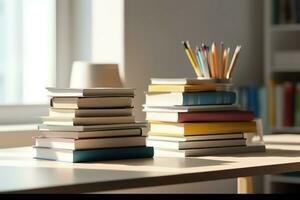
{"x": 279, "y": 37}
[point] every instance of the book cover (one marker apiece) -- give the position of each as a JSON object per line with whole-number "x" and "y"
{"x": 279, "y": 105}
{"x": 93, "y": 155}
{"x": 188, "y": 88}
{"x": 209, "y": 151}
{"x": 187, "y": 129}
{"x": 220, "y": 116}
{"x": 297, "y": 105}
{"x": 91, "y": 92}
{"x": 77, "y": 121}
{"x": 90, "y": 143}
{"x": 191, "y": 98}
{"x": 288, "y": 104}
{"x": 178, "y": 145}
{"x": 45, "y": 127}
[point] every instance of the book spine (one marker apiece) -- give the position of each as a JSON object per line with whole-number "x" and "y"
{"x": 263, "y": 112}
{"x": 297, "y": 105}
{"x": 279, "y": 105}
{"x": 113, "y": 154}
{"x": 275, "y": 14}
{"x": 298, "y": 11}
{"x": 209, "y": 98}
{"x": 288, "y": 104}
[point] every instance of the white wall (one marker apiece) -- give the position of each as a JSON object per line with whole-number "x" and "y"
{"x": 154, "y": 30}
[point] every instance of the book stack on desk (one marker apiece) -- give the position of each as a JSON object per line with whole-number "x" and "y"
{"x": 193, "y": 117}
{"x": 91, "y": 125}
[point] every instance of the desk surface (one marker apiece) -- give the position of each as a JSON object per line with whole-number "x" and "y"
{"x": 20, "y": 173}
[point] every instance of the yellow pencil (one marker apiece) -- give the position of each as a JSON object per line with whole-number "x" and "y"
{"x": 221, "y": 60}
{"x": 211, "y": 64}
{"x": 215, "y": 59}
{"x": 233, "y": 61}
{"x": 193, "y": 61}
{"x": 226, "y": 58}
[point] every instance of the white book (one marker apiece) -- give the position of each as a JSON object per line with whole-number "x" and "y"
{"x": 91, "y": 134}
{"x": 90, "y": 102}
{"x": 185, "y": 81}
{"x": 77, "y": 121}
{"x": 45, "y": 127}
{"x": 198, "y": 137}
{"x": 178, "y": 145}
{"x": 93, "y": 143}
{"x": 176, "y": 109}
{"x": 60, "y": 112}
{"x": 90, "y": 92}
{"x": 209, "y": 151}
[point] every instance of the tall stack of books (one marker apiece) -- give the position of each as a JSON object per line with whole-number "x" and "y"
{"x": 194, "y": 117}
{"x": 91, "y": 125}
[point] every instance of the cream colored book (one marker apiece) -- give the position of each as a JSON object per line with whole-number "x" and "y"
{"x": 107, "y": 112}
{"x": 90, "y": 92}
{"x": 91, "y": 134}
{"x": 101, "y": 102}
{"x": 93, "y": 143}
{"x": 77, "y": 121}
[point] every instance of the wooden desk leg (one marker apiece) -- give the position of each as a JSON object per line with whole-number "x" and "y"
{"x": 245, "y": 185}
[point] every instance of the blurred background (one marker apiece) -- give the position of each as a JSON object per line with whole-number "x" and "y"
{"x": 40, "y": 39}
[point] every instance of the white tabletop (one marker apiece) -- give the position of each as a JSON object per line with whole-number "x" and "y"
{"x": 19, "y": 172}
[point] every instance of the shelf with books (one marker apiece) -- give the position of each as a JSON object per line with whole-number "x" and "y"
{"x": 285, "y": 27}
{"x": 292, "y": 130}
{"x": 285, "y": 69}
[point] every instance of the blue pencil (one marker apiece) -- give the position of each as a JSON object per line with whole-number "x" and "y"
{"x": 200, "y": 62}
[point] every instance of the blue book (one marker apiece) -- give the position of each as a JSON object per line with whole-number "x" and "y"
{"x": 93, "y": 154}
{"x": 253, "y": 101}
{"x": 191, "y": 98}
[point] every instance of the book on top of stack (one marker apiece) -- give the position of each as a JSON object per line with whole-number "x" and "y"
{"x": 91, "y": 125}
{"x": 194, "y": 117}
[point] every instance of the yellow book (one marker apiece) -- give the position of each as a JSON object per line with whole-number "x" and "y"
{"x": 187, "y": 88}
{"x": 186, "y": 129}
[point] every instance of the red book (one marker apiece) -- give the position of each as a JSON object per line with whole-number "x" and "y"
{"x": 288, "y": 111}
{"x": 219, "y": 116}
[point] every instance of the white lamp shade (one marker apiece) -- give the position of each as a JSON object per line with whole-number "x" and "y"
{"x": 93, "y": 75}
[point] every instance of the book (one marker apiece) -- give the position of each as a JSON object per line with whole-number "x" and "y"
{"x": 90, "y": 92}
{"x": 263, "y": 102}
{"x": 203, "y": 108}
{"x": 198, "y": 137}
{"x": 186, "y": 129}
{"x": 92, "y": 143}
{"x": 92, "y": 134}
{"x": 279, "y": 105}
{"x": 253, "y": 104}
{"x": 191, "y": 98}
{"x": 189, "y": 88}
{"x": 297, "y": 105}
{"x": 90, "y": 102}
{"x": 104, "y": 127}
{"x": 288, "y": 90}
{"x": 107, "y": 112}
{"x": 179, "y": 145}
{"x": 209, "y": 151}
{"x": 93, "y": 154}
{"x": 77, "y": 121}
{"x": 219, "y": 116}
{"x": 186, "y": 81}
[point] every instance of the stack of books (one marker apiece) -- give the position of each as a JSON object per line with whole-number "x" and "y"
{"x": 198, "y": 117}
{"x": 91, "y": 125}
